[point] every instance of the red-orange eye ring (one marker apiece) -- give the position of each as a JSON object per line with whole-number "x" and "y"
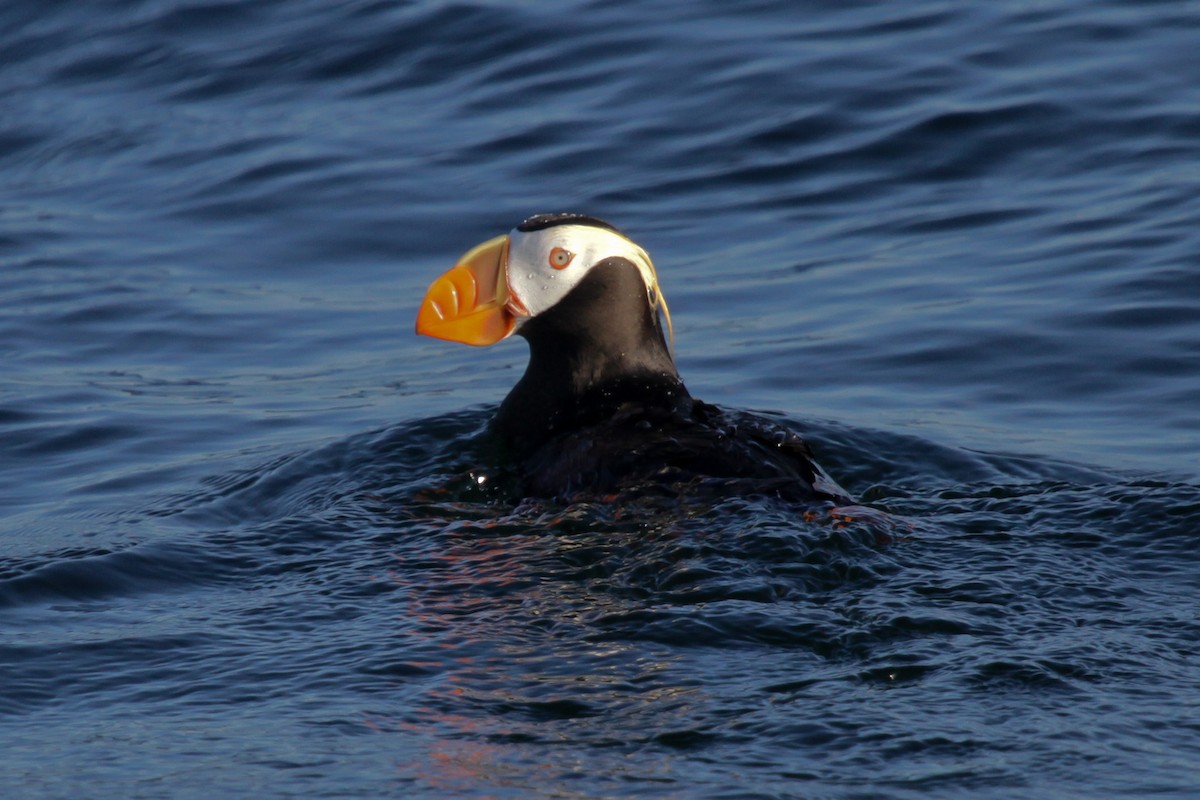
{"x": 560, "y": 258}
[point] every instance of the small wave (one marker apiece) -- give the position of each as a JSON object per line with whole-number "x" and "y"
{"x": 94, "y": 576}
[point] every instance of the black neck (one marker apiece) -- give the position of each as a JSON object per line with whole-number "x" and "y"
{"x": 599, "y": 349}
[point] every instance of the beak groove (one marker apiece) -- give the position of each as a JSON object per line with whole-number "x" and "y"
{"x": 470, "y": 302}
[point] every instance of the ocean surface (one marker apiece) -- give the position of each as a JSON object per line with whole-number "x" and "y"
{"x": 954, "y": 245}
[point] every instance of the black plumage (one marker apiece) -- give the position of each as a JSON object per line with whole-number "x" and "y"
{"x": 601, "y": 408}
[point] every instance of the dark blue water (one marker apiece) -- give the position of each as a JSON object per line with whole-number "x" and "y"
{"x": 957, "y": 246}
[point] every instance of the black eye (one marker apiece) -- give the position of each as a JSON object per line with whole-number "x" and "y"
{"x": 560, "y": 258}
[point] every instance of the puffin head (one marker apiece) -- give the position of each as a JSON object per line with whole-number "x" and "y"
{"x": 502, "y": 286}
{"x": 601, "y": 405}
{"x": 587, "y": 300}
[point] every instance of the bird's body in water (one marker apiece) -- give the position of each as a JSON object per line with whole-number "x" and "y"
{"x": 601, "y": 407}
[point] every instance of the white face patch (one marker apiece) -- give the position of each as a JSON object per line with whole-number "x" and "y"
{"x": 544, "y": 265}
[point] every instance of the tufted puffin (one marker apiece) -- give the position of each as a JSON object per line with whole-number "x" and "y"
{"x": 601, "y": 407}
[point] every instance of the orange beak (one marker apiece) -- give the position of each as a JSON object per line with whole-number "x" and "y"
{"x": 471, "y": 303}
